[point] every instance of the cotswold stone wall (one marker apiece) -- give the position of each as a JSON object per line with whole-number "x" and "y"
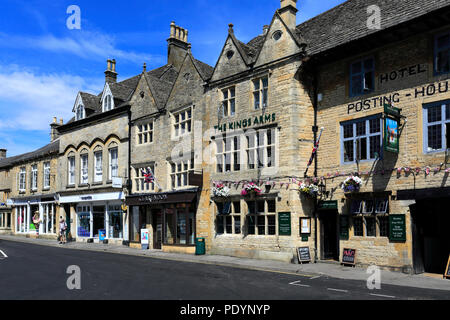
{"x": 403, "y": 75}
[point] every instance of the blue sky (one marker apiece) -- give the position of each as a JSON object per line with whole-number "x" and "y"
{"x": 43, "y": 64}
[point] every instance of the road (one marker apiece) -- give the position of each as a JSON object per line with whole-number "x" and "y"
{"x": 40, "y": 272}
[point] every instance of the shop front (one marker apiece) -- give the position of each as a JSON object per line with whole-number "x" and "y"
{"x": 26, "y": 208}
{"x": 97, "y": 216}
{"x": 170, "y": 218}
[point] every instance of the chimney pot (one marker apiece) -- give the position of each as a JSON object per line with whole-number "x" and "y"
{"x": 3, "y": 153}
{"x": 61, "y": 122}
{"x": 54, "y": 119}
{"x": 110, "y": 73}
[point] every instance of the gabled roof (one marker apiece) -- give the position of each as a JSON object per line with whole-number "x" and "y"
{"x": 49, "y": 149}
{"x": 348, "y": 21}
{"x": 205, "y": 70}
{"x": 160, "y": 90}
{"x": 90, "y": 101}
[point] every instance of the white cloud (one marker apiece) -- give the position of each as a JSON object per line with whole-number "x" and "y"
{"x": 84, "y": 44}
{"x": 29, "y": 101}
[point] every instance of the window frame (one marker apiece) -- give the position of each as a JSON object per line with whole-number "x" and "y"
{"x": 261, "y": 90}
{"x": 22, "y": 179}
{"x": 264, "y": 146}
{"x": 96, "y": 171}
{"x": 108, "y": 103}
{"x": 80, "y": 112}
{"x": 234, "y": 143}
{"x": 111, "y": 164}
{"x": 258, "y": 213}
{"x": 71, "y": 170}
{"x": 355, "y": 137}
{"x": 139, "y": 180}
{"x": 141, "y": 133}
{"x": 228, "y": 100}
{"x": 34, "y": 177}
{"x": 84, "y": 166}
{"x": 177, "y": 122}
{"x": 222, "y": 218}
{"x": 443, "y": 122}
{"x": 174, "y": 175}
{"x": 46, "y": 175}
{"x": 361, "y": 73}
{"x": 436, "y": 53}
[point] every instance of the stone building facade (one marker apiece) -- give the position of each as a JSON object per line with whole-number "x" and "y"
{"x": 5, "y": 191}
{"x": 33, "y": 196}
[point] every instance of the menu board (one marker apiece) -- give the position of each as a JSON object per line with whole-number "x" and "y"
{"x": 303, "y": 254}
{"x": 284, "y": 223}
{"x": 447, "y": 271}
{"x": 397, "y": 227}
{"x": 349, "y": 256}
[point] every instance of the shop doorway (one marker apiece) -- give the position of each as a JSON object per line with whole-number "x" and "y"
{"x": 330, "y": 244}
{"x": 98, "y": 213}
{"x": 157, "y": 229}
{"x": 431, "y": 239}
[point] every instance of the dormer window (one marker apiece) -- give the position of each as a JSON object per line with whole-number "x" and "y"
{"x": 107, "y": 103}
{"x": 80, "y": 112}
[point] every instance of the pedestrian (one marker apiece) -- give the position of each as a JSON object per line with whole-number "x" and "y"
{"x": 62, "y": 230}
{"x": 36, "y": 221}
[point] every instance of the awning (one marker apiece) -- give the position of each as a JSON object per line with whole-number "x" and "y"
{"x": 162, "y": 198}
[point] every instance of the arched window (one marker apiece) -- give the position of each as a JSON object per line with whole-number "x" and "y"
{"x": 79, "y": 112}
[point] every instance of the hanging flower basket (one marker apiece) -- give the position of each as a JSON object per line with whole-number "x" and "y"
{"x": 220, "y": 190}
{"x": 352, "y": 184}
{"x": 251, "y": 189}
{"x": 309, "y": 191}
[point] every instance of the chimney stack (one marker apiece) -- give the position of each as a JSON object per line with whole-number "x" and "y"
{"x": 110, "y": 73}
{"x": 3, "y": 153}
{"x": 178, "y": 45}
{"x": 54, "y": 134}
{"x": 288, "y": 13}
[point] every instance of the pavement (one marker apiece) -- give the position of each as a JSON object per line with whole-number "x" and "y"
{"x": 329, "y": 270}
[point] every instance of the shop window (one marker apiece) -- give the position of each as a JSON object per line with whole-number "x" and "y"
{"x": 358, "y": 229}
{"x": 361, "y": 140}
{"x": 115, "y": 222}
{"x": 261, "y": 217}
{"x": 436, "y": 123}
{"x": 84, "y": 221}
{"x": 48, "y": 225}
{"x": 362, "y": 77}
{"x": 371, "y": 228}
{"x": 442, "y": 53}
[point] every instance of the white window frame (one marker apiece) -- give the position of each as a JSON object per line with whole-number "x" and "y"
{"x": 444, "y": 123}
{"x": 84, "y": 168}
{"x": 179, "y": 122}
{"x": 113, "y": 163}
{"x": 229, "y": 153}
{"x": 46, "y": 182}
{"x": 255, "y": 152}
{"x": 260, "y": 91}
{"x": 80, "y": 114}
{"x": 34, "y": 177}
{"x": 98, "y": 167}
{"x": 139, "y": 180}
{"x": 71, "y": 170}
{"x": 233, "y": 216}
{"x": 144, "y": 133}
{"x": 22, "y": 179}
{"x": 108, "y": 103}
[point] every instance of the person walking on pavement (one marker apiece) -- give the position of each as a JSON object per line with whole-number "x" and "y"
{"x": 36, "y": 221}
{"x": 62, "y": 230}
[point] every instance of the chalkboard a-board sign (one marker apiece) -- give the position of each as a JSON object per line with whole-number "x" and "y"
{"x": 303, "y": 254}
{"x": 447, "y": 271}
{"x": 397, "y": 227}
{"x": 284, "y": 223}
{"x": 349, "y": 256}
